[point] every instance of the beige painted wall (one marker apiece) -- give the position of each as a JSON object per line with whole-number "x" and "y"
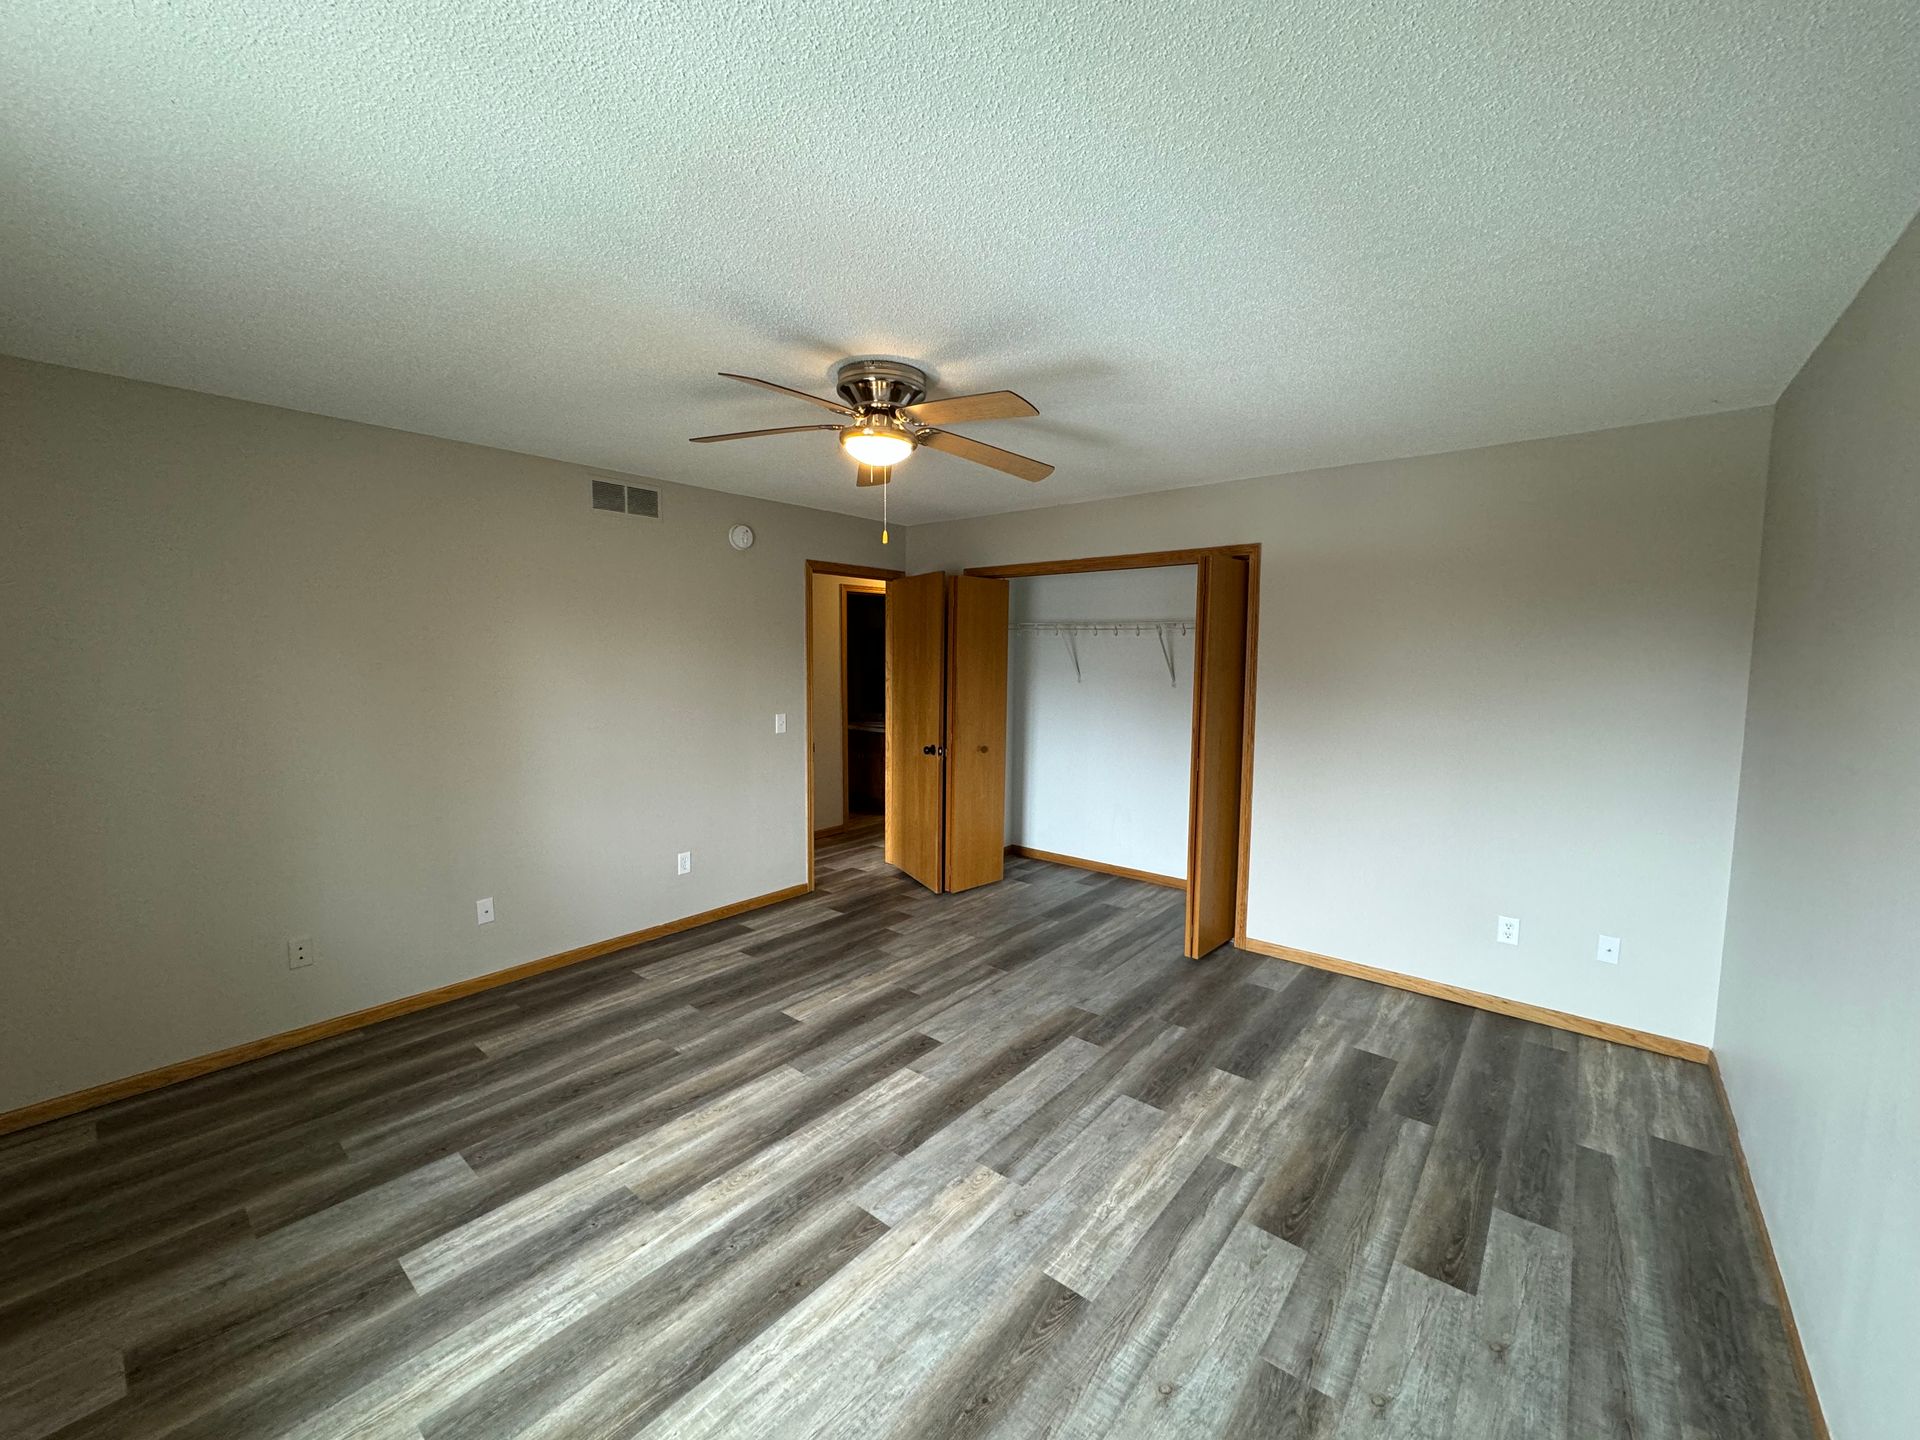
{"x": 1508, "y": 681}
{"x": 271, "y": 674}
{"x": 1820, "y": 993}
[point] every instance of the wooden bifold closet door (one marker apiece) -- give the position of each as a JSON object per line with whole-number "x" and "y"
{"x": 947, "y": 729}
{"x": 1219, "y": 710}
{"x": 916, "y": 725}
{"x": 976, "y": 821}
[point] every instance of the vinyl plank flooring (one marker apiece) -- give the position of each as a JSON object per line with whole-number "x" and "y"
{"x": 977, "y": 1385}
{"x": 1097, "y": 1246}
{"x": 1603, "y": 1392}
{"x": 1514, "y": 1372}
{"x": 1192, "y": 1384}
{"x": 1322, "y": 1330}
{"x": 885, "y": 1163}
{"x": 47, "y": 1398}
{"x": 1738, "y": 1377}
{"x": 1447, "y": 1236}
{"x": 1321, "y": 1140}
{"x": 1085, "y": 1384}
{"x": 905, "y": 1346}
{"x": 1425, "y": 1036}
{"x": 1536, "y": 1160}
{"x": 1275, "y": 1405}
{"x": 1409, "y": 1380}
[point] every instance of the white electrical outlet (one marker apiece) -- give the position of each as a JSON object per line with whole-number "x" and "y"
{"x": 484, "y": 909}
{"x": 1609, "y": 953}
{"x": 683, "y": 862}
{"x": 1507, "y": 932}
{"x": 779, "y": 724}
{"x": 299, "y": 952}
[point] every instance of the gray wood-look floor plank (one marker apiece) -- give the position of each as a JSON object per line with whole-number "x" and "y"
{"x": 1734, "y": 1379}
{"x": 1514, "y": 1374}
{"x": 1322, "y": 1330}
{"x": 883, "y": 1163}
{"x": 1275, "y": 1405}
{"x": 1409, "y": 1380}
{"x": 1447, "y": 1235}
{"x": 1191, "y": 1385}
{"x": 44, "y": 1399}
{"x": 1601, "y": 1390}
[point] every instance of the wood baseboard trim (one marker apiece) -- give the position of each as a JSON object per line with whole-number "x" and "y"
{"x": 72, "y": 1104}
{"x": 1519, "y": 1009}
{"x": 1100, "y": 867}
{"x": 1794, "y": 1346}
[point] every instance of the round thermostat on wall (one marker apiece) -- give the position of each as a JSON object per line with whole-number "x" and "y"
{"x": 740, "y": 537}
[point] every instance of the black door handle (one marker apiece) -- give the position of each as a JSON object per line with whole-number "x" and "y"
{"x": 933, "y": 749}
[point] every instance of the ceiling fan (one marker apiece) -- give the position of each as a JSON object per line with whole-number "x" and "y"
{"x": 887, "y": 420}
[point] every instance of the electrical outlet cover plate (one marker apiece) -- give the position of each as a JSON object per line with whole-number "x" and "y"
{"x": 484, "y": 910}
{"x": 299, "y": 952}
{"x": 1609, "y": 953}
{"x": 683, "y": 862}
{"x": 1507, "y": 932}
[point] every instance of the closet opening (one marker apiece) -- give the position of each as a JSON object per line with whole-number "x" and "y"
{"x": 1144, "y": 772}
{"x": 1130, "y": 697}
{"x": 846, "y": 700}
{"x": 1099, "y": 720}
{"x": 863, "y": 703}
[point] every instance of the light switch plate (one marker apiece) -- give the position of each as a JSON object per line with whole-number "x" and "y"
{"x": 779, "y": 724}
{"x": 484, "y": 909}
{"x": 1609, "y": 952}
{"x": 299, "y": 952}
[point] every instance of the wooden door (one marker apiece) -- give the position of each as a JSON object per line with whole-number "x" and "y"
{"x": 976, "y": 838}
{"x": 916, "y": 725}
{"x": 1219, "y": 710}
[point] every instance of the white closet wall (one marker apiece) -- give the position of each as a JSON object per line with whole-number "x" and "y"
{"x": 1097, "y": 764}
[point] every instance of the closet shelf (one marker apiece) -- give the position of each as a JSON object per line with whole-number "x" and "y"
{"x": 1070, "y": 630}
{"x": 1177, "y": 625}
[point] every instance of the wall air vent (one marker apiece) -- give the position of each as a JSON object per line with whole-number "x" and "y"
{"x": 626, "y": 499}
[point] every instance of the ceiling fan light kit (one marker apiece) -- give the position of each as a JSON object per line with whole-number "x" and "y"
{"x": 888, "y": 417}
{"x": 877, "y": 444}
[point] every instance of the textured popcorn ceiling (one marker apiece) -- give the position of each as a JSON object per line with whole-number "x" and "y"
{"x": 1209, "y": 241}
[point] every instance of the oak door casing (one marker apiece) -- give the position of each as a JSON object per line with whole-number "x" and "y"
{"x": 976, "y": 839}
{"x": 1219, "y": 711}
{"x": 916, "y": 726}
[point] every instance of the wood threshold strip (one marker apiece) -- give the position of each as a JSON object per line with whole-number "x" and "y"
{"x": 62, "y": 1105}
{"x": 1519, "y": 1009}
{"x": 1798, "y": 1350}
{"x": 1172, "y": 882}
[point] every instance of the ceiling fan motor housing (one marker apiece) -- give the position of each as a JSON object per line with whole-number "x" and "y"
{"x": 880, "y": 384}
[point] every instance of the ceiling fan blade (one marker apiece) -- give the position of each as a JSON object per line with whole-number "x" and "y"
{"x": 749, "y": 434}
{"x": 874, "y": 475}
{"x": 824, "y": 404}
{"x": 989, "y": 405}
{"x": 983, "y": 454}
